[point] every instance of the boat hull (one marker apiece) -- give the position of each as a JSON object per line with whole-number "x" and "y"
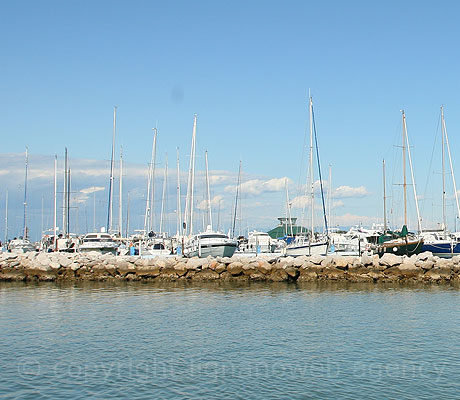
{"x": 400, "y": 247}
{"x": 213, "y": 250}
{"x": 443, "y": 249}
{"x": 313, "y": 249}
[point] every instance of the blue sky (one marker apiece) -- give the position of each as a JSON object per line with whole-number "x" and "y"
{"x": 245, "y": 68}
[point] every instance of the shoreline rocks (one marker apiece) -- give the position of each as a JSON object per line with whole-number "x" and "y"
{"x": 105, "y": 267}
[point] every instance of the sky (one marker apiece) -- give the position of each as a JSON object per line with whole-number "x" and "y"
{"x": 245, "y": 68}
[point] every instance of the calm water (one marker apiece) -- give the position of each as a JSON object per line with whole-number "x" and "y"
{"x": 236, "y": 342}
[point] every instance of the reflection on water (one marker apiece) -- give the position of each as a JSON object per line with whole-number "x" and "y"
{"x": 223, "y": 340}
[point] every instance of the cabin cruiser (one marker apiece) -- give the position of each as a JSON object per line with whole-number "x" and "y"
{"x": 154, "y": 247}
{"x": 20, "y": 245}
{"x": 98, "y": 241}
{"x": 259, "y": 242}
{"x": 210, "y": 243}
{"x": 303, "y": 246}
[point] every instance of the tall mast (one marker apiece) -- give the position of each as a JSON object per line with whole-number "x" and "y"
{"x": 443, "y": 176}
{"x": 120, "y": 203}
{"x": 384, "y": 201}
{"x": 68, "y": 202}
{"x": 451, "y": 167}
{"x": 208, "y": 192}
{"x": 163, "y": 202}
{"x": 178, "y": 211}
{"x": 329, "y": 195}
{"x": 55, "y": 204}
{"x": 288, "y": 206}
{"x": 312, "y": 182}
{"x": 419, "y": 220}
{"x": 150, "y": 189}
{"x": 152, "y": 184}
{"x": 127, "y": 218}
{"x": 236, "y": 200}
{"x": 64, "y": 195}
{"x": 6, "y": 220}
{"x": 110, "y": 205}
{"x": 188, "y": 218}
{"x": 25, "y": 232}
{"x": 404, "y": 165}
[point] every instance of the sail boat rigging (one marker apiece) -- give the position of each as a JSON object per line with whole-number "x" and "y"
{"x": 445, "y": 244}
{"x": 402, "y": 242}
{"x": 303, "y": 244}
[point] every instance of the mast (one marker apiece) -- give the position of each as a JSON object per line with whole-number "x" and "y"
{"x": 64, "y": 196}
{"x": 55, "y": 204}
{"x": 236, "y": 200}
{"x": 68, "y": 202}
{"x": 188, "y": 217}
{"x": 451, "y": 168}
{"x": 444, "y": 227}
{"x": 6, "y": 220}
{"x": 419, "y": 220}
{"x": 152, "y": 184}
{"x": 288, "y": 206}
{"x": 404, "y": 165}
{"x": 208, "y": 192}
{"x": 120, "y": 203}
{"x": 384, "y": 201}
{"x": 312, "y": 191}
{"x": 178, "y": 211}
{"x": 163, "y": 205}
{"x": 25, "y": 231}
{"x": 329, "y": 195}
{"x": 127, "y": 218}
{"x": 110, "y": 205}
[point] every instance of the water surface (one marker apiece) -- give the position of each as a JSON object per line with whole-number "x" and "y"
{"x": 216, "y": 340}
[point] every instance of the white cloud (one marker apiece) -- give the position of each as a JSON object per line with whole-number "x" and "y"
{"x": 348, "y": 191}
{"x": 203, "y": 204}
{"x": 337, "y": 204}
{"x": 256, "y": 187}
{"x": 92, "y": 189}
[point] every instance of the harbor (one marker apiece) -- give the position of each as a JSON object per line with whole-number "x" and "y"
{"x": 92, "y": 266}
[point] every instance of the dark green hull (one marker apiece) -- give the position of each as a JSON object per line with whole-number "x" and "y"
{"x": 400, "y": 247}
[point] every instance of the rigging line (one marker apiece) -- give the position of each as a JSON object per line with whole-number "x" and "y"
{"x": 431, "y": 163}
{"x": 319, "y": 172}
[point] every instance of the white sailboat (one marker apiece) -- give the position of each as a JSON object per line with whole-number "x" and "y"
{"x": 208, "y": 243}
{"x": 310, "y": 244}
{"x": 23, "y": 244}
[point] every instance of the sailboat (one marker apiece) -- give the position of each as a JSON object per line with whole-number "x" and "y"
{"x": 23, "y": 244}
{"x": 401, "y": 242}
{"x": 308, "y": 245}
{"x": 440, "y": 242}
{"x": 210, "y": 242}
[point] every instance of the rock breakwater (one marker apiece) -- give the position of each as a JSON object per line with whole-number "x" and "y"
{"x": 96, "y": 267}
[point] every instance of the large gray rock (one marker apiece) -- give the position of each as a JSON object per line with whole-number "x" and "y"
{"x": 390, "y": 260}
{"x": 316, "y": 259}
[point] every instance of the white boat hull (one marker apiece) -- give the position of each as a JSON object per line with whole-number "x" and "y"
{"x": 307, "y": 249}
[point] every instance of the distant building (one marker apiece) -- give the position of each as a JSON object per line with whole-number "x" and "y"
{"x": 287, "y": 227}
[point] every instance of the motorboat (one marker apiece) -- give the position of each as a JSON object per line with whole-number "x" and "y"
{"x": 20, "y": 245}
{"x": 210, "y": 243}
{"x": 98, "y": 241}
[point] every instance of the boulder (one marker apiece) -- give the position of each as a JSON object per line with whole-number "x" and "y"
{"x": 278, "y": 275}
{"x": 344, "y": 262}
{"x": 235, "y": 268}
{"x": 317, "y": 260}
{"x": 293, "y": 272}
{"x": 390, "y": 260}
{"x": 366, "y": 259}
{"x": 264, "y": 267}
{"x": 206, "y": 274}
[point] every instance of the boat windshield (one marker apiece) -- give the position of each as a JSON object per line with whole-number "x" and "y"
{"x": 213, "y": 236}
